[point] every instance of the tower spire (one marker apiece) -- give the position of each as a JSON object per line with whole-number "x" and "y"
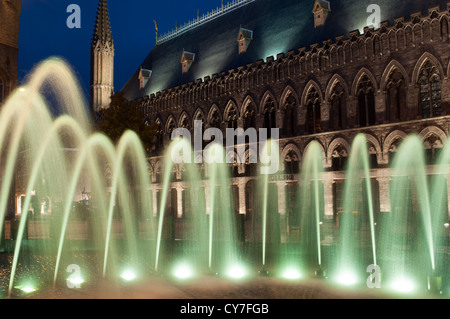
{"x": 102, "y": 29}
{"x": 102, "y": 60}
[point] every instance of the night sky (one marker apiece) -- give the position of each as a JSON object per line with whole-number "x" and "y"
{"x": 44, "y": 33}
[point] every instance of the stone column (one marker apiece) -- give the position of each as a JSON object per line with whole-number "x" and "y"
{"x": 284, "y": 236}
{"x": 179, "y": 202}
{"x": 328, "y": 197}
{"x": 208, "y": 209}
{"x": 155, "y": 202}
{"x": 380, "y": 106}
{"x": 383, "y": 184}
{"x": 242, "y": 207}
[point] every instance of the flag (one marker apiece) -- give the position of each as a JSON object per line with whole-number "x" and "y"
{"x": 156, "y": 25}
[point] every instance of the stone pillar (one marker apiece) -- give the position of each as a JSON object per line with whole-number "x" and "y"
{"x": 352, "y": 112}
{"x": 242, "y": 207}
{"x": 412, "y": 99}
{"x": 208, "y": 209}
{"x": 155, "y": 202}
{"x": 284, "y": 234}
{"x": 383, "y": 184}
{"x": 380, "y": 106}
{"x": 328, "y": 197}
{"x": 179, "y": 202}
{"x": 325, "y": 116}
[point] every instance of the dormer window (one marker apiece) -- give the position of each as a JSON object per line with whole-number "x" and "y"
{"x": 144, "y": 75}
{"x": 321, "y": 11}
{"x": 186, "y": 61}
{"x": 244, "y": 38}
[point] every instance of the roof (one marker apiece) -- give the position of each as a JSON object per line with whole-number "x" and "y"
{"x": 278, "y": 26}
{"x": 324, "y": 4}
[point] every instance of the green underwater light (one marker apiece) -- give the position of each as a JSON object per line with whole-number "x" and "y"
{"x": 128, "y": 275}
{"x": 291, "y": 273}
{"x": 237, "y": 272}
{"x": 183, "y": 271}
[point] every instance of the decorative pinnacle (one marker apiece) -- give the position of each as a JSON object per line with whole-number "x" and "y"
{"x": 102, "y": 29}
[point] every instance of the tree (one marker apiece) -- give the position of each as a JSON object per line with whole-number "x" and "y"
{"x": 123, "y": 115}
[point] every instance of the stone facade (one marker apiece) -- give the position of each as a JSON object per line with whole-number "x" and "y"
{"x": 9, "y": 45}
{"x": 371, "y": 83}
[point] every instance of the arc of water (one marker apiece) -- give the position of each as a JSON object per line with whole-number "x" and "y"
{"x": 165, "y": 190}
{"x": 359, "y": 155}
{"x": 11, "y": 114}
{"x": 129, "y": 140}
{"x": 63, "y": 121}
{"x": 311, "y": 170}
{"x": 414, "y": 166}
{"x": 95, "y": 141}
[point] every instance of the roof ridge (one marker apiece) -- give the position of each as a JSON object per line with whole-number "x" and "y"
{"x": 219, "y": 11}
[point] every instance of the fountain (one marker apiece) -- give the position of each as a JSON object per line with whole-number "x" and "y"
{"x": 115, "y": 235}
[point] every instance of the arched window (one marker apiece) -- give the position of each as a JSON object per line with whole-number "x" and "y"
{"x": 215, "y": 119}
{"x": 170, "y": 127}
{"x": 337, "y": 107}
{"x": 430, "y": 90}
{"x": 395, "y": 95}
{"x": 249, "y": 116}
{"x": 433, "y": 148}
{"x": 231, "y": 118}
{"x": 366, "y": 101}
{"x": 313, "y": 117}
{"x": 291, "y": 163}
{"x": 339, "y": 158}
{"x": 269, "y": 114}
{"x": 184, "y": 123}
{"x": 159, "y": 137}
{"x": 290, "y": 116}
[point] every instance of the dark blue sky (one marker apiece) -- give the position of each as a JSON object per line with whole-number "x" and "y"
{"x": 44, "y": 33}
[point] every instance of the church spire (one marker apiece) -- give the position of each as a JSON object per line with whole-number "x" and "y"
{"x": 102, "y": 29}
{"x": 102, "y": 60}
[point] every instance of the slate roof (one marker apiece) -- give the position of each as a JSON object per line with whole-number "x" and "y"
{"x": 278, "y": 26}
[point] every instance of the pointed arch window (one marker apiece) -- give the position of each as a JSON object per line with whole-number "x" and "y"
{"x": 290, "y": 115}
{"x": 199, "y": 117}
{"x": 215, "y": 119}
{"x": 170, "y": 127}
{"x": 430, "y": 90}
{"x": 269, "y": 114}
{"x": 159, "y": 136}
{"x": 185, "y": 123}
{"x": 396, "y": 95}
{"x": 339, "y": 158}
{"x": 337, "y": 107}
{"x": 291, "y": 163}
{"x": 249, "y": 116}
{"x": 366, "y": 101}
{"x": 231, "y": 118}
{"x": 313, "y": 116}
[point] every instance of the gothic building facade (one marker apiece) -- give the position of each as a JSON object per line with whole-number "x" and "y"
{"x": 9, "y": 60}
{"x": 316, "y": 71}
{"x": 9, "y": 45}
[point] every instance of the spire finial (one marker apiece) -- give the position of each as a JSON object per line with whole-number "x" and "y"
{"x": 102, "y": 29}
